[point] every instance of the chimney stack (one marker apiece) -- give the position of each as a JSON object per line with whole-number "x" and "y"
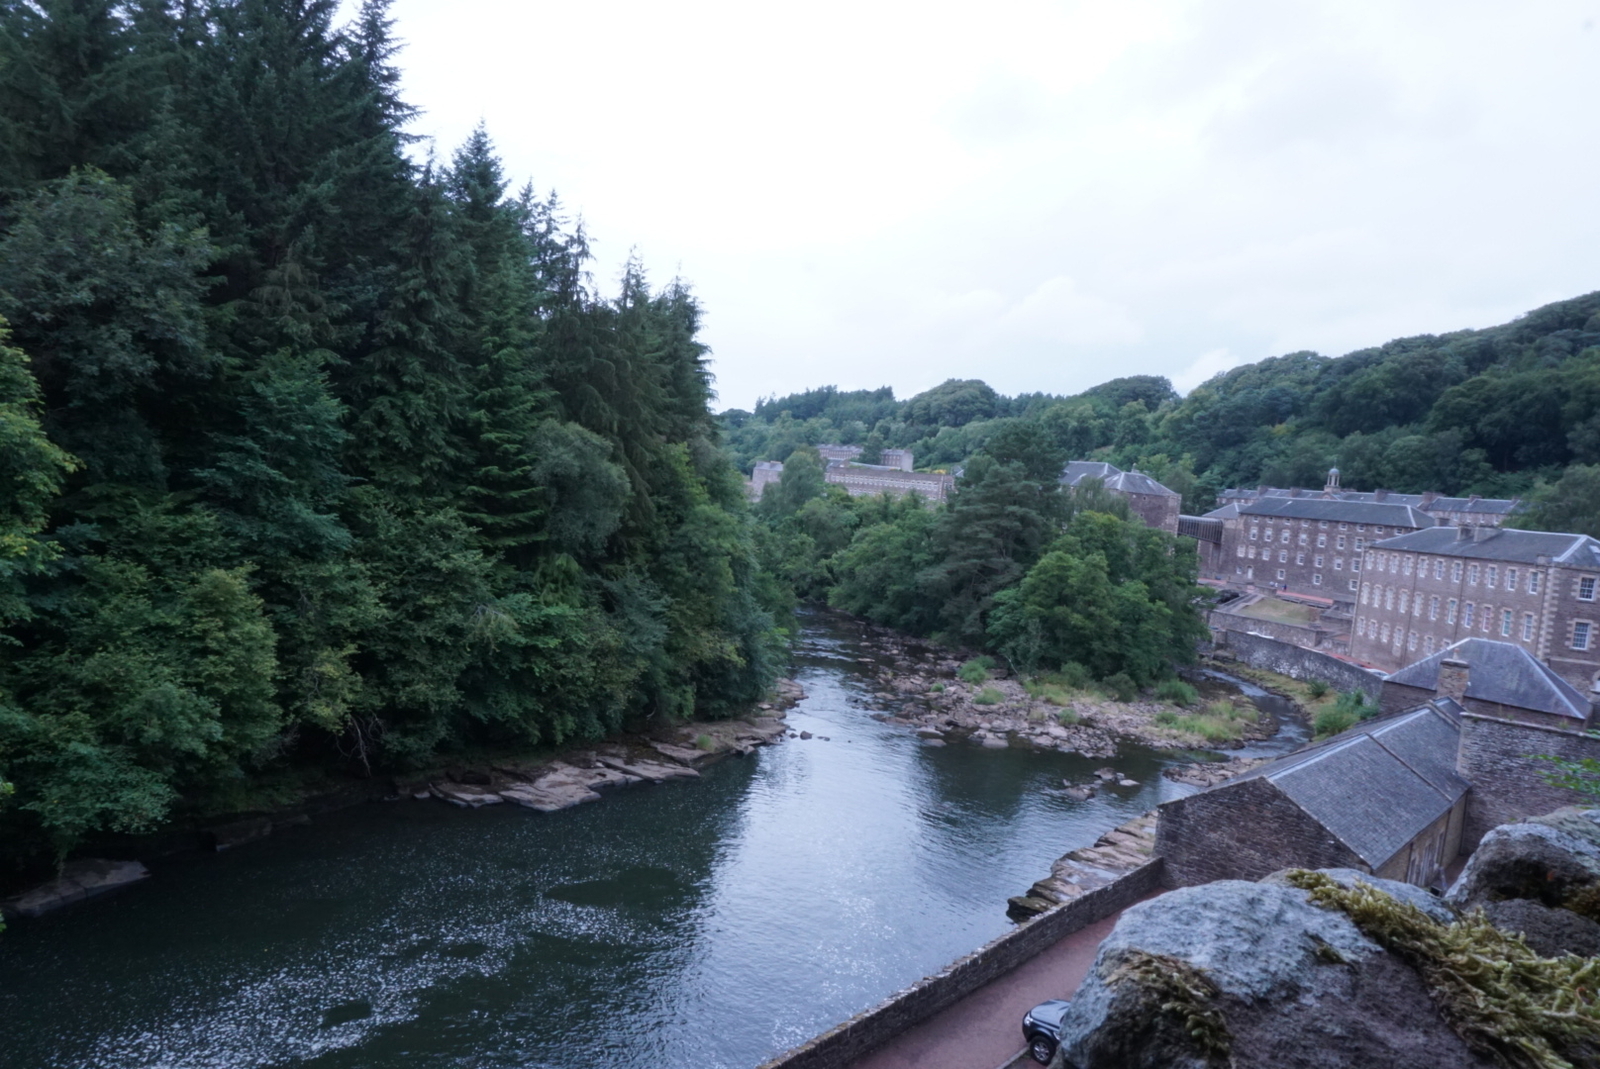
{"x": 1483, "y": 532}
{"x": 1453, "y": 674}
{"x": 1379, "y": 495}
{"x": 1429, "y": 497}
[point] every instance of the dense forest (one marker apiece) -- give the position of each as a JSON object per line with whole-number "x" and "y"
{"x": 1499, "y": 412}
{"x": 314, "y": 453}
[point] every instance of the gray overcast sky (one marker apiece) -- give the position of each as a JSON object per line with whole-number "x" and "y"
{"x": 1045, "y": 195}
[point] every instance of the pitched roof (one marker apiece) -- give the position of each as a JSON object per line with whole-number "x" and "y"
{"x": 1320, "y": 508}
{"x": 1500, "y": 672}
{"x": 1128, "y": 482}
{"x": 1500, "y": 543}
{"x": 1376, "y": 786}
{"x": 1496, "y": 506}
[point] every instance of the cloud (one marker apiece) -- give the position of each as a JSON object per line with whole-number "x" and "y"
{"x": 1058, "y": 311}
{"x": 1206, "y": 365}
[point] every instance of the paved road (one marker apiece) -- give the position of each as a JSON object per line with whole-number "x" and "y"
{"x": 984, "y": 1030}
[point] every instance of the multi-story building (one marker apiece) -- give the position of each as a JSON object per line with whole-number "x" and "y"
{"x": 1153, "y": 503}
{"x": 1426, "y": 590}
{"x": 863, "y": 480}
{"x": 1476, "y": 511}
{"x": 1309, "y": 545}
{"x": 890, "y": 458}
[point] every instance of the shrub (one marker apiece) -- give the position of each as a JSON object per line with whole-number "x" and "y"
{"x": 1068, "y": 718}
{"x": 1219, "y": 722}
{"x": 705, "y": 742}
{"x": 1318, "y": 688}
{"x": 937, "y": 688}
{"x": 1074, "y": 676}
{"x": 1053, "y": 693}
{"x": 988, "y": 696}
{"x": 1350, "y": 707}
{"x": 1120, "y": 687}
{"x": 976, "y": 670}
{"x": 1177, "y": 691}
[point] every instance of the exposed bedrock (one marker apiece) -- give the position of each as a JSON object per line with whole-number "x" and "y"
{"x": 1541, "y": 878}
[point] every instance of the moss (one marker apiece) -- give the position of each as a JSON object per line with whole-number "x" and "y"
{"x": 1585, "y": 902}
{"x": 1176, "y": 987}
{"x": 1501, "y": 997}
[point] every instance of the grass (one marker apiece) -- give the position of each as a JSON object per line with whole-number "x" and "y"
{"x": 976, "y": 670}
{"x": 1312, "y": 695}
{"x": 988, "y": 696}
{"x": 1054, "y": 693}
{"x": 937, "y": 688}
{"x": 1068, "y": 718}
{"x": 1177, "y": 692}
{"x": 1219, "y": 722}
{"x": 1343, "y": 713}
{"x": 1283, "y": 612}
{"x": 1502, "y": 998}
{"x": 705, "y": 742}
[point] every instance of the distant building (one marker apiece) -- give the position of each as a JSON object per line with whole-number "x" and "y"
{"x": 1309, "y": 545}
{"x": 863, "y": 480}
{"x": 1153, "y": 503}
{"x": 1477, "y": 511}
{"x": 1428, "y": 589}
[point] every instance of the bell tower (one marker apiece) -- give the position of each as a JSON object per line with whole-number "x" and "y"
{"x": 1332, "y": 486}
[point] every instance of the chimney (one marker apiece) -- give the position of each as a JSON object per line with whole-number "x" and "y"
{"x": 1452, "y": 683}
{"x": 1483, "y": 532}
{"x": 1429, "y": 497}
{"x": 1295, "y": 492}
{"x": 1379, "y": 495}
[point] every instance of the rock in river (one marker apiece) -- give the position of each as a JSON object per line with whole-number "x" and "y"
{"x": 79, "y": 879}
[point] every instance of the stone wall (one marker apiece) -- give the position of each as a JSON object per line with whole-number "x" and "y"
{"x": 1156, "y": 510}
{"x": 1506, "y": 785}
{"x": 1242, "y": 831}
{"x": 1293, "y": 661}
{"x": 1295, "y": 634}
{"x": 866, "y": 1031}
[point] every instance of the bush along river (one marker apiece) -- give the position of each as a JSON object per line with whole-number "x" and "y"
{"x": 707, "y": 922}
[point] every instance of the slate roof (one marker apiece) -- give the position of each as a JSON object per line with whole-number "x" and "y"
{"x": 1320, "y": 508}
{"x": 1377, "y": 786}
{"x": 1495, "y": 506}
{"x": 1527, "y": 547}
{"x": 1129, "y": 482}
{"x": 1500, "y": 672}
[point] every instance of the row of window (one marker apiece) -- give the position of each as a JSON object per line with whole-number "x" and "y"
{"x": 1380, "y": 630}
{"x": 1488, "y": 575}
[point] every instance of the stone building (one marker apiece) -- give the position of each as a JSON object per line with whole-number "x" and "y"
{"x": 1383, "y": 797}
{"x": 863, "y": 480}
{"x": 1310, "y": 545}
{"x": 1153, "y": 503}
{"x": 899, "y": 459}
{"x": 1426, "y": 590}
{"x": 1476, "y": 511}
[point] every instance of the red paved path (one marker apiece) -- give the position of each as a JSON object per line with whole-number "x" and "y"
{"x": 984, "y": 1030}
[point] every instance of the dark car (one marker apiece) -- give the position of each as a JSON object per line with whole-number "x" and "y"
{"x": 1041, "y": 1028}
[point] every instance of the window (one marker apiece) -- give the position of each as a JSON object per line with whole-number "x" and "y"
{"x": 1488, "y": 614}
{"x": 1280, "y": 573}
{"x": 1388, "y": 597}
{"x": 1511, "y": 579}
{"x": 1322, "y": 541}
{"x": 1360, "y": 544}
{"x": 1323, "y": 525}
{"x": 1283, "y": 557}
{"x": 1364, "y": 592}
{"x": 1338, "y": 543}
{"x": 1361, "y": 626}
{"x": 1472, "y": 575}
{"x": 1580, "y": 635}
{"x": 1527, "y": 627}
{"x": 1411, "y": 640}
{"x": 1455, "y": 571}
{"x": 1305, "y": 540}
{"x": 1384, "y": 633}
{"x": 1316, "y": 579}
{"x": 1438, "y": 568}
{"x": 1586, "y": 588}
{"x": 1253, "y": 553}
{"x": 1344, "y": 527}
{"x": 1286, "y": 536}
{"x": 1533, "y": 582}
{"x": 1352, "y": 584}
{"x": 1450, "y": 612}
{"x": 1299, "y": 558}
{"x": 1505, "y": 622}
{"x": 1361, "y": 527}
{"x": 1394, "y": 563}
{"x": 1239, "y": 550}
{"x": 1338, "y": 564}
{"x": 1466, "y": 615}
{"x": 1491, "y": 576}
{"x": 1317, "y": 560}
{"x": 1254, "y": 531}
{"x": 1433, "y": 607}
{"x": 1355, "y": 564}
{"x": 1427, "y": 646}
{"x": 1416, "y": 605}
{"x": 1378, "y": 530}
{"x": 1406, "y": 567}
{"x": 1405, "y": 602}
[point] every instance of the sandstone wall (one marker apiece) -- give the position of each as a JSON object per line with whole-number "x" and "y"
{"x": 1293, "y": 661}
{"x": 1242, "y": 831}
{"x": 1506, "y": 785}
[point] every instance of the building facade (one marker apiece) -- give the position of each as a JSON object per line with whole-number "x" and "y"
{"x": 1426, "y": 590}
{"x": 863, "y": 480}
{"x": 1152, "y": 503}
{"x": 899, "y": 459}
{"x": 1309, "y": 545}
{"x": 1474, "y": 511}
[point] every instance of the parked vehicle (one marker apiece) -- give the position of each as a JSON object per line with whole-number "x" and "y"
{"x": 1041, "y": 1028}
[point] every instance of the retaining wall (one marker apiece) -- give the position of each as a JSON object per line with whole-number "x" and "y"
{"x": 866, "y": 1031}
{"x": 1296, "y": 662}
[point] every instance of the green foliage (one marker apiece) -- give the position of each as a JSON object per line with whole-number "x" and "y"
{"x": 1570, "y": 504}
{"x": 1581, "y": 774}
{"x": 937, "y": 688}
{"x": 988, "y": 696}
{"x": 1350, "y": 708}
{"x": 1068, "y": 718}
{"x": 1177, "y": 691}
{"x": 976, "y": 670}
{"x": 1318, "y": 688}
{"x": 1502, "y": 998}
{"x": 1120, "y": 687}
{"x": 1220, "y": 722}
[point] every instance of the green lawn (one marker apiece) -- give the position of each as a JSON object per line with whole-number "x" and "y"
{"x": 1283, "y": 612}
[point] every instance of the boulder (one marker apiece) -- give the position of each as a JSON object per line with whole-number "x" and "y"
{"x": 1256, "y": 976}
{"x": 679, "y": 753}
{"x": 461, "y": 795}
{"x": 1548, "y": 930}
{"x": 1541, "y": 878}
{"x": 649, "y": 771}
{"x": 79, "y": 879}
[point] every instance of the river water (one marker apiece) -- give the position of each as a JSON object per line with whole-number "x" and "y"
{"x": 706, "y": 923}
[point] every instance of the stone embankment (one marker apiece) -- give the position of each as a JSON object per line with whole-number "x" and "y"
{"x": 1113, "y": 855}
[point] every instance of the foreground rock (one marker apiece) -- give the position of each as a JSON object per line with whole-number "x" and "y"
{"x": 81, "y": 879}
{"x": 1540, "y": 878}
{"x": 1253, "y": 975}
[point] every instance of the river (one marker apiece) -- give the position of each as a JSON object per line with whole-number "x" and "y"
{"x": 709, "y": 923}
